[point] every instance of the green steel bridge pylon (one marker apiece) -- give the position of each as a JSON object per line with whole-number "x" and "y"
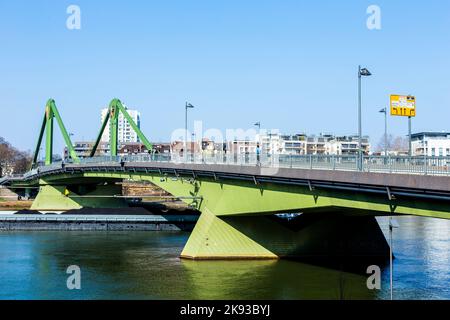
{"x": 116, "y": 107}
{"x": 47, "y": 125}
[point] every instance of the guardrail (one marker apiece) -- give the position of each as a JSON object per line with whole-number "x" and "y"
{"x": 97, "y": 218}
{"x": 398, "y": 164}
{"x": 419, "y": 165}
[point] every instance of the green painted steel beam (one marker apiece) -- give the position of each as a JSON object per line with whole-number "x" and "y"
{"x": 61, "y": 197}
{"x": 113, "y": 128}
{"x": 99, "y": 137}
{"x": 136, "y": 129}
{"x": 52, "y": 112}
{"x": 241, "y": 198}
{"x": 64, "y": 132}
{"x": 234, "y": 222}
{"x": 49, "y": 134}
{"x": 115, "y": 108}
{"x": 39, "y": 142}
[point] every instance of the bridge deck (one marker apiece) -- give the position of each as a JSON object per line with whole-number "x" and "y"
{"x": 428, "y": 186}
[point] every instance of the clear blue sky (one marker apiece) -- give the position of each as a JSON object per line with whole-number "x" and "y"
{"x": 290, "y": 64}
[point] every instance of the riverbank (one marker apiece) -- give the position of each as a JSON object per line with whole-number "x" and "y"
{"x": 8, "y": 205}
{"x": 172, "y": 216}
{"x": 76, "y": 222}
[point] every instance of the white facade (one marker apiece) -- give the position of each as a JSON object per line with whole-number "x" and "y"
{"x": 125, "y": 131}
{"x": 270, "y": 143}
{"x": 301, "y": 144}
{"x": 242, "y": 147}
{"x": 293, "y": 145}
{"x": 336, "y": 145}
{"x": 431, "y": 144}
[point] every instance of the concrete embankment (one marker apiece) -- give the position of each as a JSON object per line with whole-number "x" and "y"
{"x": 73, "y": 222}
{"x": 172, "y": 215}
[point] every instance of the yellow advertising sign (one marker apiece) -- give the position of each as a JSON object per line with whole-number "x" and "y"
{"x": 404, "y": 106}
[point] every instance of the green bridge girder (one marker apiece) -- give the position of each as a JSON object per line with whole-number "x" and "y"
{"x": 237, "y": 216}
{"x": 236, "y": 220}
{"x": 51, "y": 112}
{"x": 115, "y": 108}
{"x": 240, "y": 197}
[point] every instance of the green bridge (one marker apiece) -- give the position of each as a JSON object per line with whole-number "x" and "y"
{"x": 239, "y": 199}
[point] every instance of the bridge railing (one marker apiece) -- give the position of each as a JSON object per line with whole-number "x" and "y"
{"x": 391, "y": 164}
{"x": 420, "y": 165}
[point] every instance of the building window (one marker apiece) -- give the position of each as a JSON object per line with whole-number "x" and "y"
{"x": 441, "y": 152}
{"x": 433, "y": 152}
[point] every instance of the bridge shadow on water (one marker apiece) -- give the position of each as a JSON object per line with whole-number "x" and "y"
{"x": 146, "y": 265}
{"x": 336, "y": 240}
{"x": 277, "y": 279}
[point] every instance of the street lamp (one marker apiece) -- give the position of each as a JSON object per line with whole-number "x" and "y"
{"x": 188, "y": 106}
{"x": 193, "y": 142}
{"x": 392, "y": 225}
{"x": 70, "y": 137}
{"x": 362, "y": 72}
{"x": 258, "y": 124}
{"x": 384, "y": 110}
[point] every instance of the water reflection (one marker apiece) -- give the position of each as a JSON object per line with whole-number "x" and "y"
{"x": 145, "y": 265}
{"x": 272, "y": 280}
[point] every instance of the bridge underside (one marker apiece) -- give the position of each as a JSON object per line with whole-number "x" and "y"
{"x": 237, "y": 216}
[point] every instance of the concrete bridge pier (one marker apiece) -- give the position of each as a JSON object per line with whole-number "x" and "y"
{"x": 310, "y": 236}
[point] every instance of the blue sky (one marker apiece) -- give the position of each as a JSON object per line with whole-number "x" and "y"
{"x": 290, "y": 64}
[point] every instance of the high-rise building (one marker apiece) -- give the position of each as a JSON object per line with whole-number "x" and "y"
{"x": 125, "y": 131}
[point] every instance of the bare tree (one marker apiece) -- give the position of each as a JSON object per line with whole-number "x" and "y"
{"x": 13, "y": 160}
{"x": 381, "y": 144}
{"x": 22, "y": 162}
{"x": 400, "y": 144}
{"x": 397, "y": 144}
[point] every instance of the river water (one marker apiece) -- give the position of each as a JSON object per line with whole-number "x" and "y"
{"x": 145, "y": 265}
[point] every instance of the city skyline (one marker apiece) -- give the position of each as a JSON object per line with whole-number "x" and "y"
{"x": 235, "y": 65}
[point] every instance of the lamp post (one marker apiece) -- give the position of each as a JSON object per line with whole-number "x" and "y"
{"x": 70, "y": 136}
{"x": 258, "y": 124}
{"x": 384, "y": 110}
{"x": 392, "y": 225}
{"x": 409, "y": 137}
{"x": 188, "y": 106}
{"x": 362, "y": 72}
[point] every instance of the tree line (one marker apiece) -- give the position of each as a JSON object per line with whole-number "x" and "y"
{"x": 12, "y": 160}
{"x": 394, "y": 144}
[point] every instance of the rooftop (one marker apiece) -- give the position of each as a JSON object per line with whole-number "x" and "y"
{"x": 441, "y": 134}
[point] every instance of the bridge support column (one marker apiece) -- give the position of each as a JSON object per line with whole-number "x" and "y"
{"x": 215, "y": 238}
{"x": 63, "y": 198}
{"x": 309, "y": 236}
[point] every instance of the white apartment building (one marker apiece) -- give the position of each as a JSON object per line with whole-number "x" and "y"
{"x": 125, "y": 131}
{"x": 242, "y": 147}
{"x": 270, "y": 143}
{"x": 336, "y": 145}
{"x": 294, "y": 144}
{"x": 348, "y": 145}
{"x": 431, "y": 144}
{"x": 300, "y": 144}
